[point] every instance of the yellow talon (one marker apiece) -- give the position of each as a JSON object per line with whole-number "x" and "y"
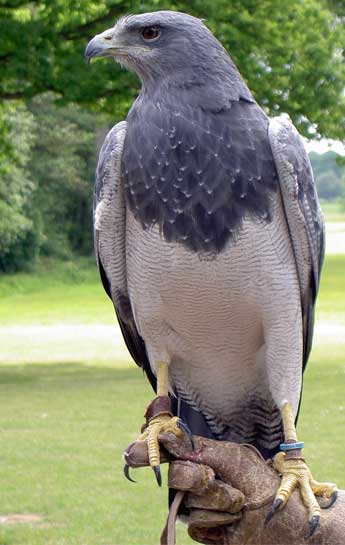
{"x": 296, "y": 474}
{"x": 323, "y": 490}
{"x": 159, "y": 422}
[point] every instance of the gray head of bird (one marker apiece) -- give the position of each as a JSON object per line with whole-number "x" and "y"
{"x": 169, "y": 50}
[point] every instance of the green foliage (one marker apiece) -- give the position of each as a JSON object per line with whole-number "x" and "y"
{"x": 329, "y": 186}
{"x": 290, "y": 53}
{"x": 63, "y": 163}
{"x": 18, "y": 233}
{"x": 337, "y": 6}
{"x": 46, "y": 183}
{"x": 329, "y": 175}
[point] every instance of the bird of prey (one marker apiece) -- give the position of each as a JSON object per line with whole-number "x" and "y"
{"x": 209, "y": 240}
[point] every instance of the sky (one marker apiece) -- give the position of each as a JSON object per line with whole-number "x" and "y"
{"x": 321, "y": 146}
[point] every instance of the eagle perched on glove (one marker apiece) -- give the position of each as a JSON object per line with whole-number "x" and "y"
{"x": 210, "y": 240}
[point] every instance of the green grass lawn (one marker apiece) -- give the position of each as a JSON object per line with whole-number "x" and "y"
{"x": 68, "y": 292}
{"x": 334, "y": 211}
{"x": 63, "y": 430}
{"x": 64, "y": 425}
{"x": 331, "y": 299}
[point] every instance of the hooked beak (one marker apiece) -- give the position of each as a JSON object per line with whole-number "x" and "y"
{"x": 103, "y": 45}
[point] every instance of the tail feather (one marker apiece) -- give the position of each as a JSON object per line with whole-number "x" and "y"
{"x": 198, "y": 425}
{"x": 263, "y": 429}
{"x": 193, "y": 418}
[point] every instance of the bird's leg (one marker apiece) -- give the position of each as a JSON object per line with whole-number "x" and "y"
{"x": 296, "y": 474}
{"x": 159, "y": 419}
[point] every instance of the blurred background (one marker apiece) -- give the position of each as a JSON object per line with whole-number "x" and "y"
{"x": 70, "y": 398}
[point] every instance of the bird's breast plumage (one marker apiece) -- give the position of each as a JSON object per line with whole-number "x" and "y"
{"x": 206, "y": 318}
{"x": 197, "y": 174}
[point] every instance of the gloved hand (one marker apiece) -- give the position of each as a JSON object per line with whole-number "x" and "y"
{"x": 228, "y": 491}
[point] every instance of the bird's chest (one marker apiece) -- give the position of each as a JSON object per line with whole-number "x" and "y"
{"x": 197, "y": 292}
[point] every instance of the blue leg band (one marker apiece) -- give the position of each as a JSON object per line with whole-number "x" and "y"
{"x": 291, "y": 446}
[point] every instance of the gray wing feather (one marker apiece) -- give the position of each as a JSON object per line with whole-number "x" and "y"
{"x": 303, "y": 214}
{"x": 110, "y": 240}
{"x": 110, "y": 212}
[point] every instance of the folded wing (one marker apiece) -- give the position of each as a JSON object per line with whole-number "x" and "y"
{"x": 303, "y": 214}
{"x": 110, "y": 241}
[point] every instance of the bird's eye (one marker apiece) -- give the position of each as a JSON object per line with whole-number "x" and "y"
{"x": 150, "y": 33}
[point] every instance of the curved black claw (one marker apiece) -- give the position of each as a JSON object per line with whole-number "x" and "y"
{"x": 127, "y": 475}
{"x": 332, "y": 500}
{"x": 158, "y": 474}
{"x": 275, "y": 507}
{"x": 183, "y": 426}
{"x": 313, "y": 525}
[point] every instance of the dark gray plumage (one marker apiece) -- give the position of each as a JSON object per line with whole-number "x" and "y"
{"x": 197, "y": 172}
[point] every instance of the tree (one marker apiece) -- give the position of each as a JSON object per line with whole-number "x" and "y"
{"x": 328, "y": 174}
{"x": 337, "y": 6}
{"x": 46, "y": 181}
{"x": 62, "y": 163}
{"x": 290, "y": 53}
{"x": 329, "y": 187}
{"x": 17, "y": 231}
